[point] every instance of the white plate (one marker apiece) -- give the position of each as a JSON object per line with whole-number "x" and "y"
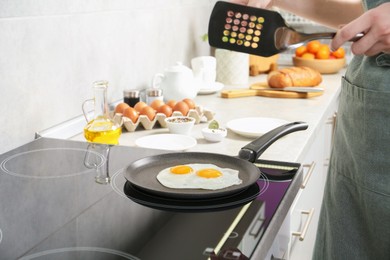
{"x": 215, "y": 87}
{"x": 172, "y": 142}
{"x": 254, "y": 126}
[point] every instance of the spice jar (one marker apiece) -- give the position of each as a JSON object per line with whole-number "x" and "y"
{"x": 153, "y": 94}
{"x": 131, "y": 97}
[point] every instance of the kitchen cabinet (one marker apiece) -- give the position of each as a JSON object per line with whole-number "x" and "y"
{"x": 330, "y": 126}
{"x": 300, "y": 226}
{"x": 296, "y": 237}
{"x": 306, "y": 209}
{"x": 304, "y": 214}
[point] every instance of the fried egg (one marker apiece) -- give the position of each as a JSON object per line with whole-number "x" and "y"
{"x": 198, "y": 176}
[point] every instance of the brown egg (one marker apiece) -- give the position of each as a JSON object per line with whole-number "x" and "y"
{"x": 156, "y": 104}
{"x": 131, "y": 113}
{"x": 165, "y": 109}
{"x": 149, "y": 112}
{"x": 121, "y": 107}
{"x": 171, "y": 103}
{"x": 182, "y": 107}
{"x": 190, "y": 103}
{"x": 139, "y": 106}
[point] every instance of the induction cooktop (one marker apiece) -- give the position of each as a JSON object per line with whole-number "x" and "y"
{"x": 64, "y": 199}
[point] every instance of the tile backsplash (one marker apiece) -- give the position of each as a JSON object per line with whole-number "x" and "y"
{"x": 52, "y": 51}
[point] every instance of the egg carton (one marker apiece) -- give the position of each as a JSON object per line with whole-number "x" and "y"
{"x": 200, "y": 115}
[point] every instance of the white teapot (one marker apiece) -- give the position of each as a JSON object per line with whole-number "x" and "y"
{"x": 177, "y": 82}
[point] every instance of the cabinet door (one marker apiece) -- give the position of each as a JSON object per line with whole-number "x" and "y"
{"x": 307, "y": 205}
{"x": 329, "y": 132}
{"x": 329, "y": 127}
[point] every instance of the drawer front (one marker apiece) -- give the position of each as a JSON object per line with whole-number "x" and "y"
{"x": 306, "y": 209}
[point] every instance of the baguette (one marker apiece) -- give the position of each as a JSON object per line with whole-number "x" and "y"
{"x": 294, "y": 77}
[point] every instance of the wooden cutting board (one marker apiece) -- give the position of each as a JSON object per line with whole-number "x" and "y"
{"x": 257, "y": 89}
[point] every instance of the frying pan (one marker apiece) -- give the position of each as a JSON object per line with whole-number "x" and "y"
{"x": 143, "y": 172}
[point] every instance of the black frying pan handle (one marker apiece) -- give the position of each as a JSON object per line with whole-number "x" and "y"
{"x": 253, "y": 150}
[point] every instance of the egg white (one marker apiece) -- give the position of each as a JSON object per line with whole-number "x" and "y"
{"x": 191, "y": 180}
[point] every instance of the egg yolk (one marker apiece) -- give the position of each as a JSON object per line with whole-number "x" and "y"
{"x": 209, "y": 173}
{"x": 181, "y": 169}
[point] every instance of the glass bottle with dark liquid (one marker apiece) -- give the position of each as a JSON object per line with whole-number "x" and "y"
{"x": 101, "y": 129}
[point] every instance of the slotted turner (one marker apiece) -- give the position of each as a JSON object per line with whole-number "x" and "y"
{"x": 255, "y": 31}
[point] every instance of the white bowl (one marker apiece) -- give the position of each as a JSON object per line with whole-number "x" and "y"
{"x": 214, "y": 135}
{"x": 180, "y": 124}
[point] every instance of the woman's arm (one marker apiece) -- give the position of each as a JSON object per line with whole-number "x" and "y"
{"x": 331, "y": 13}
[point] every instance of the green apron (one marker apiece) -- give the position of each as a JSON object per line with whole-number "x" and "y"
{"x": 355, "y": 214}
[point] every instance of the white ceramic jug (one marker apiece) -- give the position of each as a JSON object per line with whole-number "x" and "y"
{"x": 177, "y": 82}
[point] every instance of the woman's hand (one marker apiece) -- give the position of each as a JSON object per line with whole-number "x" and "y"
{"x": 375, "y": 24}
{"x": 254, "y": 3}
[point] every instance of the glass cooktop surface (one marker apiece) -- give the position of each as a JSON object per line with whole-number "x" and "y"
{"x": 63, "y": 199}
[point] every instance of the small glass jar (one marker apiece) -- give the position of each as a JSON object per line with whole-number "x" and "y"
{"x": 131, "y": 97}
{"x": 101, "y": 128}
{"x": 153, "y": 94}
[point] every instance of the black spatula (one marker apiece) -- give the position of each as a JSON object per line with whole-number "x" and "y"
{"x": 255, "y": 31}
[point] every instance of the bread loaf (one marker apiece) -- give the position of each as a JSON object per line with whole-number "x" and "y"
{"x": 294, "y": 76}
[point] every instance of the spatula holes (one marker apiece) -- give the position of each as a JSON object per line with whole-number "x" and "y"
{"x": 242, "y": 29}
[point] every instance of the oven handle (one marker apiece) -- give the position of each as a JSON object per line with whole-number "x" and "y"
{"x": 302, "y": 233}
{"x": 257, "y": 227}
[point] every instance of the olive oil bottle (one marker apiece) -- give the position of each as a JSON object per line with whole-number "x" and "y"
{"x": 103, "y": 132}
{"x": 101, "y": 129}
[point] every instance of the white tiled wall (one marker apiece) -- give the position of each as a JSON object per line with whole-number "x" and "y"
{"x": 52, "y": 50}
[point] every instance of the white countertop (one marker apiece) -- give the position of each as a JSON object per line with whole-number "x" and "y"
{"x": 290, "y": 148}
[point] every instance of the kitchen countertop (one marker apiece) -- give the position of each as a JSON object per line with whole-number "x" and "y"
{"x": 312, "y": 111}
